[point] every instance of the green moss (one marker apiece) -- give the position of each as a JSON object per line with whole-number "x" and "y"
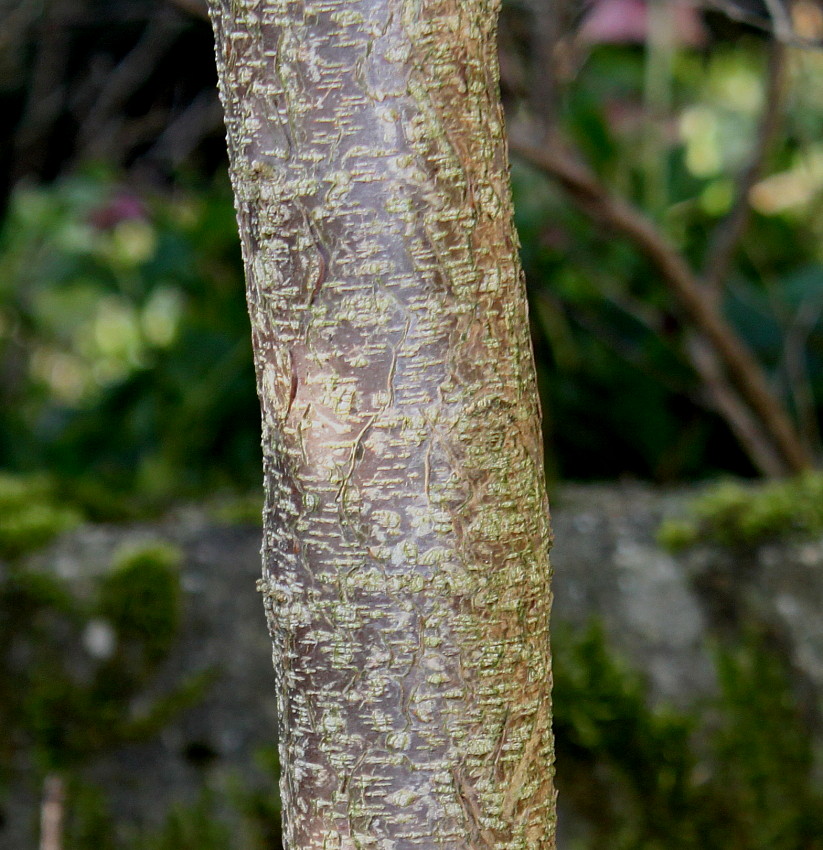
{"x": 100, "y": 503}
{"x": 31, "y": 514}
{"x": 241, "y": 510}
{"x": 623, "y": 765}
{"x": 194, "y": 827}
{"x": 677, "y": 534}
{"x": 260, "y": 805}
{"x": 18, "y": 490}
{"x": 189, "y": 692}
{"x": 741, "y": 775}
{"x": 61, "y": 702}
{"x": 141, "y": 598}
{"x": 25, "y": 594}
{"x": 734, "y": 514}
{"x": 89, "y": 824}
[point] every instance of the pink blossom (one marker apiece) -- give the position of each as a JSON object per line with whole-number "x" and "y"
{"x": 627, "y": 22}
{"x": 120, "y": 207}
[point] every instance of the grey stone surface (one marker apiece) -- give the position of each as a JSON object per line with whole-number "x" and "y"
{"x": 658, "y": 610}
{"x": 608, "y": 566}
{"x": 224, "y": 631}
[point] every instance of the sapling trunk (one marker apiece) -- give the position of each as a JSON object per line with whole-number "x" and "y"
{"x": 406, "y": 571}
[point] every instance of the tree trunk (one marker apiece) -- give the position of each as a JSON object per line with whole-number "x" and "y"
{"x": 406, "y": 571}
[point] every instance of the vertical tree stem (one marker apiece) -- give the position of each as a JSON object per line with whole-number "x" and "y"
{"x": 406, "y": 571}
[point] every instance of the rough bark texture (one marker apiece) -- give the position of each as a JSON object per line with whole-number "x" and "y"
{"x": 406, "y": 571}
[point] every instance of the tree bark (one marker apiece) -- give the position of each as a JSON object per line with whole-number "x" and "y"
{"x": 406, "y": 572}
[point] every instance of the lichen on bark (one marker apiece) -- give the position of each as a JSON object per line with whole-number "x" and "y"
{"x": 406, "y": 572}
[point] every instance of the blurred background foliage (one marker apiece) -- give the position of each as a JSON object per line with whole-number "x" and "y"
{"x": 655, "y": 146}
{"x": 127, "y": 360}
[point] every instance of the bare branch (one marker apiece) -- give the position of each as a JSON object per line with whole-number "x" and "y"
{"x": 743, "y": 369}
{"x": 725, "y": 400}
{"x": 203, "y": 116}
{"x": 781, "y": 21}
{"x": 46, "y": 93}
{"x": 729, "y": 231}
{"x": 777, "y": 22}
{"x": 196, "y": 8}
{"x": 124, "y": 80}
{"x": 547, "y": 17}
{"x": 797, "y": 372}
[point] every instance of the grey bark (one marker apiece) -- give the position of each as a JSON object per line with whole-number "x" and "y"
{"x": 406, "y": 572}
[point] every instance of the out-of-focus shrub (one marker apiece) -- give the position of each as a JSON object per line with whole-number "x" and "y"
{"x": 124, "y": 342}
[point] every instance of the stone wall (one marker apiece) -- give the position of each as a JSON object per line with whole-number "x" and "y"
{"x": 659, "y": 610}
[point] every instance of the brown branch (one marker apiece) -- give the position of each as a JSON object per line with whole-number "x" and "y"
{"x": 727, "y": 234}
{"x": 781, "y": 22}
{"x": 547, "y": 17}
{"x": 196, "y": 8}
{"x": 727, "y": 402}
{"x": 96, "y": 131}
{"x": 202, "y": 117}
{"x": 743, "y": 369}
{"x": 797, "y": 371}
{"x": 775, "y": 21}
{"x": 46, "y": 95}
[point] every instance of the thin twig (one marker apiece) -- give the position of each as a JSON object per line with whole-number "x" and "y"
{"x": 743, "y": 369}
{"x": 715, "y": 394}
{"x": 547, "y": 17}
{"x": 99, "y": 126}
{"x": 51, "y": 813}
{"x": 797, "y": 371}
{"x": 783, "y": 31}
{"x": 781, "y": 21}
{"x": 727, "y": 234}
{"x": 741, "y": 14}
{"x": 46, "y": 93}
{"x": 723, "y": 399}
{"x": 196, "y": 8}
{"x": 185, "y": 131}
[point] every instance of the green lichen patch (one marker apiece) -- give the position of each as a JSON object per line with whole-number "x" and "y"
{"x": 735, "y": 514}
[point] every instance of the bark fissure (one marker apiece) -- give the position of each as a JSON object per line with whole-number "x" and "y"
{"x": 406, "y": 569}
